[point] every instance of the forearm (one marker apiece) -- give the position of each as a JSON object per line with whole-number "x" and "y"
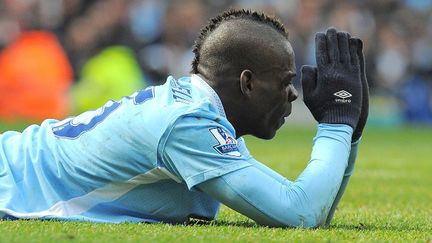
{"x": 348, "y": 172}
{"x": 271, "y": 201}
{"x": 321, "y": 179}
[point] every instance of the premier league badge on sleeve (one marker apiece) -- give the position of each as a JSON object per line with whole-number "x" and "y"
{"x": 226, "y": 144}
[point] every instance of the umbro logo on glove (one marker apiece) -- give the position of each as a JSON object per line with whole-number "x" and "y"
{"x": 343, "y": 95}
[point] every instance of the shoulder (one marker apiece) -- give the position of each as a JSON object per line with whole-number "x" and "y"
{"x": 198, "y": 149}
{"x": 202, "y": 133}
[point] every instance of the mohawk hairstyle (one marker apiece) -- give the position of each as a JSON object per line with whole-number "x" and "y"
{"x": 230, "y": 15}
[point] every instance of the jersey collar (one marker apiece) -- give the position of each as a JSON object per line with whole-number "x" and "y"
{"x": 203, "y": 86}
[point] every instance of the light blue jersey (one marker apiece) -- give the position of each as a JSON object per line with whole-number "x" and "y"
{"x": 164, "y": 154}
{"x": 110, "y": 165}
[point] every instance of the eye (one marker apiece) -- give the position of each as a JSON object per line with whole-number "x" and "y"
{"x": 288, "y": 79}
{"x": 287, "y": 82}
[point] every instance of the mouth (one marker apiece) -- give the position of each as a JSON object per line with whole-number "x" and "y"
{"x": 288, "y": 111}
{"x": 282, "y": 118}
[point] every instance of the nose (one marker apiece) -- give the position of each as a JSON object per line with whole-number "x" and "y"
{"x": 292, "y": 93}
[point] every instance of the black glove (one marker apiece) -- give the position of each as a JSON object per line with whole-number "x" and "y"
{"x": 365, "y": 94}
{"x": 333, "y": 91}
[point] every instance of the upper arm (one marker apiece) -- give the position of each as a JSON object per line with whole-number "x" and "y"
{"x": 197, "y": 149}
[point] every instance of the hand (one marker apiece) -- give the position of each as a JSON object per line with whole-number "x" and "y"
{"x": 333, "y": 91}
{"x": 365, "y": 95}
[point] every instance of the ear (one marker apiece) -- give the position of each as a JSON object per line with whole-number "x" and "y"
{"x": 246, "y": 85}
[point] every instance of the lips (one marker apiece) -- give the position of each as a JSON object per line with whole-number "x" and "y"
{"x": 288, "y": 111}
{"x": 282, "y": 119}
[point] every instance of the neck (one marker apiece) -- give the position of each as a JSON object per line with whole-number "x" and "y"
{"x": 233, "y": 108}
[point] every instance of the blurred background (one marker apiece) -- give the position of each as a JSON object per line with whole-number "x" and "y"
{"x": 62, "y": 57}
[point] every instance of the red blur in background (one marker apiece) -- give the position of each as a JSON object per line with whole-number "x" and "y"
{"x": 34, "y": 79}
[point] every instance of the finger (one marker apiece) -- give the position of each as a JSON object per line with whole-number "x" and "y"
{"x": 353, "y": 48}
{"x": 365, "y": 85}
{"x": 365, "y": 92}
{"x": 321, "y": 49}
{"x": 361, "y": 59}
{"x": 344, "y": 52}
{"x": 308, "y": 78}
{"x": 332, "y": 45}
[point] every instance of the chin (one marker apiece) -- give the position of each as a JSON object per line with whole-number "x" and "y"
{"x": 267, "y": 135}
{"x": 267, "y": 131}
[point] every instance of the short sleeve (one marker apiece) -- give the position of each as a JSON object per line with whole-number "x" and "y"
{"x": 198, "y": 149}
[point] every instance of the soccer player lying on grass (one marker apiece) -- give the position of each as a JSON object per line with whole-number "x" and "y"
{"x": 174, "y": 152}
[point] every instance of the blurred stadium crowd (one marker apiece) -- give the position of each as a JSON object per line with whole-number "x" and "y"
{"x": 60, "y": 57}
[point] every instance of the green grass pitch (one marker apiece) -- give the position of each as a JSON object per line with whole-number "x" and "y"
{"x": 388, "y": 199}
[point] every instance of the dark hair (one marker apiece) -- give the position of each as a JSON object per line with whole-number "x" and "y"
{"x": 230, "y": 15}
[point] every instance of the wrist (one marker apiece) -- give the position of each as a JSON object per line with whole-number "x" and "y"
{"x": 341, "y": 132}
{"x": 336, "y": 127}
{"x": 341, "y": 115}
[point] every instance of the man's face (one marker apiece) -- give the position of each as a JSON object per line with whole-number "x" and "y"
{"x": 273, "y": 93}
